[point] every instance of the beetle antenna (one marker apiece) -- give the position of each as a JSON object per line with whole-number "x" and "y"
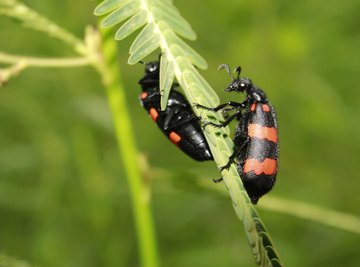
{"x": 238, "y": 70}
{"x": 142, "y": 62}
{"x": 227, "y": 68}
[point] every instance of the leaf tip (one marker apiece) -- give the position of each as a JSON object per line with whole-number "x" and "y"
{"x": 192, "y": 36}
{"x": 96, "y": 12}
{"x": 202, "y": 65}
{"x": 118, "y": 37}
{"x": 131, "y": 61}
{"x": 99, "y": 10}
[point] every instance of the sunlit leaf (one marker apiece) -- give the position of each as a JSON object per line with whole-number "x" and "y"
{"x": 163, "y": 67}
{"x": 167, "y": 83}
{"x": 144, "y": 49}
{"x": 121, "y": 14}
{"x": 167, "y": 7}
{"x": 177, "y": 23}
{"x": 146, "y": 34}
{"x": 132, "y": 25}
{"x": 108, "y": 6}
{"x": 190, "y": 53}
{"x": 164, "y": 61}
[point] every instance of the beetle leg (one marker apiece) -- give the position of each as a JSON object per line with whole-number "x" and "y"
{"x": 237, "y": 115}
{"x": 221, "y": 106}
{"x": 217, "y": 180}
{"x": 238, "y": 150}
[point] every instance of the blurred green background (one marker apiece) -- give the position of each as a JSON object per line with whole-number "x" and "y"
{"x": 64, "y": 200}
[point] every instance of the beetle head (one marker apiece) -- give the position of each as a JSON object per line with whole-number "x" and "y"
{"x": 237, "y": 84}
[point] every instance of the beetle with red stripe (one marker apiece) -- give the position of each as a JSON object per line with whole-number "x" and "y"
{"x": 178, "y": 121}
{"x": 256, "y": 145}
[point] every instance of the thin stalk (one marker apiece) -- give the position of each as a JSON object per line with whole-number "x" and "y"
{"x": 33, "y": 20}
{"x": 44, "y": 62}
{"x": 139, "y": 190}
{"x": 107, "y": 66}
{"x": 313, "y": 213}
{"x": 306, "y": 211}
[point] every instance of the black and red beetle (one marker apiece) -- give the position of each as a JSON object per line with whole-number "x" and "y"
{"x": 178, "y": 121}
{"x": 256, "y": 136}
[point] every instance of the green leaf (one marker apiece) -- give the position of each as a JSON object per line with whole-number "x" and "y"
{"x": 121, "y": 14}
{"x": 167, "y": 7}
{"x": 164, "y": 61}
{"x": 201, "y": 96}
{"x": 108, "y": 6}
{"x": 144, "y": 49}
{"x": 177, "y": 23}
{"x": 163, "y": 67}
{"x": 166, "y": 83}
{"x": 132, "y": 25}
{"x": 190, "y": 53}
{"x": 147, "y": 33}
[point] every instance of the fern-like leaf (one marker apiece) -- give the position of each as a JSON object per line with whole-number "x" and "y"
{"x": 167, "y": 76}
{"x": 163, "y": 26}
{"x": 159, "y": 17}
{"x": 136, "y": 22}
{"x": 122, "y": 13}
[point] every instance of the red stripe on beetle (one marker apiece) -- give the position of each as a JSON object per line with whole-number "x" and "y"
{"x": 268, "y": 166}
{"x": 143, "y": 95}
{"x": 153, "y": 114}
{"x": 265, "y": 108}
{"x": 253, "y": 107}
{"x": 174, "y": 137}
{"x": 269, "y": 133}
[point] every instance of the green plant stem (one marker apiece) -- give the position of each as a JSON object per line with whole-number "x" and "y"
{"x": 106, "y": 64}
{"x": 35, "y": 21}
{"x": 302, "y": 210}
{"x": 44, "y": 62}
{"x": 139, "y": 190}
{"x": 313, "y": 213}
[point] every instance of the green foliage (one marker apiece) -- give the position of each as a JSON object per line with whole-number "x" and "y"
{"x": 109, "y": 71}
{"x": 64, "y": 199}
{"x": 162, "y": 23}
